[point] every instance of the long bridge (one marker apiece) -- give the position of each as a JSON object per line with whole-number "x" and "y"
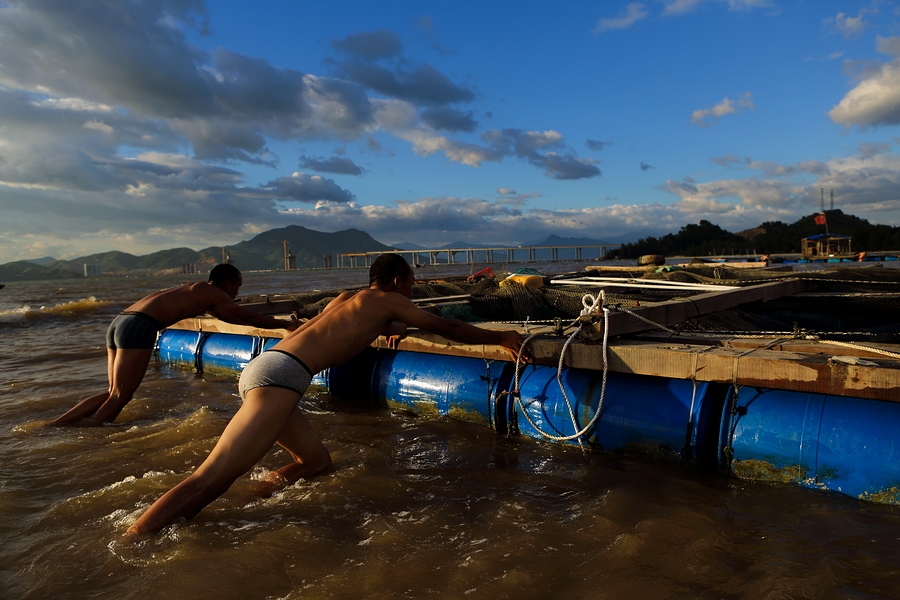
{"x": 507, "y": 255}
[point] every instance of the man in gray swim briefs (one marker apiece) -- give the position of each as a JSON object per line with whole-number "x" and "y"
{"x": 275, "y": 368}
{"x": 273, "y": 383}
{"x": 132, "y": 335}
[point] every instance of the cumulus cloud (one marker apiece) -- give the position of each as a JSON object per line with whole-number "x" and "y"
{"x": 370, "y": 45}
{"x": 889, "y": 45}
{"x": 847, "y": 26}
{"x": 681, "y": 7}
{"x": 366, "y": 61}
{"x": 339, "y": 165}
{"x": 308, "y": 188}
{"x": 631, "y": 14}
{"x": 540, "y": 149}
{"x": 707, "y": 117}
{"x": 875, "y": 100}
{"x": 449, "y": 119}
{"x": 437, "y": 221}
{"x": 865, "y": 184}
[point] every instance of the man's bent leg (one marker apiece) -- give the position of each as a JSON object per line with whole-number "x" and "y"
{"x": 249, "y": 435}
{"x": 89, "y": 406}
{"x": 128, "y": 370}
{"x": 311, "y": 457}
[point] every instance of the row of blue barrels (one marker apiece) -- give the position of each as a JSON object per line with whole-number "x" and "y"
{"x": 843, "y": 444}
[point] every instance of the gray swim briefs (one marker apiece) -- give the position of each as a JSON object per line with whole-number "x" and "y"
{"x": 275, "y": 368}
{"x": 132, "y": 331}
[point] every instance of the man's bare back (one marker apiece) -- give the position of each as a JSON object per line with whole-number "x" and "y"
{"x": 183, "y": 302}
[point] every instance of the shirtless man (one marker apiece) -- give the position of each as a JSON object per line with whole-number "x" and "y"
{"x": 273, "y": 383}
{"x": 132, "y": 335}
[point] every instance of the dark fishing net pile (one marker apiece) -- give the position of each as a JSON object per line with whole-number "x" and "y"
{"x": 847, "y": 303}
{"x": 862, "y": 303}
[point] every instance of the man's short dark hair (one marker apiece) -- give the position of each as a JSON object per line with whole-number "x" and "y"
{"x": 224, "y": 273}
{"x": 388, "y": 266}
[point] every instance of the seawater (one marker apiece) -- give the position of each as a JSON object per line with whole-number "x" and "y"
{"x": 416, "y": 507}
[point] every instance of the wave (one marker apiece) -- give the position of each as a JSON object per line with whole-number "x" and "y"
{"x": 75, "y": 308}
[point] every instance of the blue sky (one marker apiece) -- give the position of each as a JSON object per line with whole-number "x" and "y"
{"x": 145, "y": 125}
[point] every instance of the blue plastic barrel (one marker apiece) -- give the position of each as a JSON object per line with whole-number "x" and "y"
{"x": 352, "y": 380}
{"x": 228, "y": 351}
{"x": 179, "y": 347}
{"x": 460, "y": 387}
{"x": 848, "y": 445}
{"x": 642, "y": 415}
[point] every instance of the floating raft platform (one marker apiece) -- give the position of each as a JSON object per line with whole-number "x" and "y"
{"x": 819, "y": 408}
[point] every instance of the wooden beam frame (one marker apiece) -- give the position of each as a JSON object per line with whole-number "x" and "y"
{"x": 671, "y": 312}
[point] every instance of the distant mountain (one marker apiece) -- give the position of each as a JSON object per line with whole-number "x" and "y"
{"x": 408, "y": 246}
{"x": 468, "y": 245}
{"x": 42, "y": 261}
{"x": 23, "y": 270}
{"x": 635, "y": 235}
{"x": 555, "y": 240}
{"x": 309, "y": 247}
{"x": 263, "y": 252}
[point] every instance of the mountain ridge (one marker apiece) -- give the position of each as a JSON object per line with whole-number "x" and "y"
{"x": 311, "y": 248}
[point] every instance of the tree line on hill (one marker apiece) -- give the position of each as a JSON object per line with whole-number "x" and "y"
{"x": 774, "y": 237}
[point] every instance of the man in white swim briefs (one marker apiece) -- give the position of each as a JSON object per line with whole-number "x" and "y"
{"x": 273, "y": 383}
{"x": 132, "y": 335}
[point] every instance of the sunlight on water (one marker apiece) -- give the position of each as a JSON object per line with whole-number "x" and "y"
{"x": 75, "y": 309}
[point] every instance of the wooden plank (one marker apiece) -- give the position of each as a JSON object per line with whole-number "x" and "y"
{"x": 272, "y": 307}
{"x": 674, "y": 311}
{"x": 876, "y": 378}
{"x": 630, "y": 282}
{"x": 823, "y": 371}
{"x": 729, "y": 265}
{"x": 772, "y": 342}
{"x": 621, "y": 268}
{"x": 213, "y": 325}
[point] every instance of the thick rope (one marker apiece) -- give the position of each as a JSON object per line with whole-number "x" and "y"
{"x": 589, "y": 309}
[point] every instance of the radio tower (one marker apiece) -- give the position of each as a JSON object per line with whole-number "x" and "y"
{"x": 822, "y": 200}
{"x": 832, "y": 199}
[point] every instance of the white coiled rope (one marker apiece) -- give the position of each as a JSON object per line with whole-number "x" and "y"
{"x": 591, "y": 304}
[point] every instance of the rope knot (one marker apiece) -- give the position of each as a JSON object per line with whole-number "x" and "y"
{"x": 590, "y": 304}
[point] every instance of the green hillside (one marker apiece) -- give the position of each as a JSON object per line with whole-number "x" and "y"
{"x": 263, "y": 252}
{"x": 705, "y": 238}
{"x": 266, "y": 250}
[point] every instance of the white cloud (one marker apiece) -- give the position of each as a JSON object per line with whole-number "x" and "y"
{"x": 681, "y": 7}
{"x": 847, "y": 26}
{"x": 874, "y": 101}
{"x": 633, "y": 13}
{"x": 889, "y": 45}
{"x": 708, "y": 116}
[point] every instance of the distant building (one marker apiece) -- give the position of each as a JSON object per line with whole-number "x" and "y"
{"x": 826, "y": 245}
{"x": 92, "y": 270}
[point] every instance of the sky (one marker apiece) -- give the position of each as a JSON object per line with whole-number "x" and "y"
{"x": 142, "y": 125}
